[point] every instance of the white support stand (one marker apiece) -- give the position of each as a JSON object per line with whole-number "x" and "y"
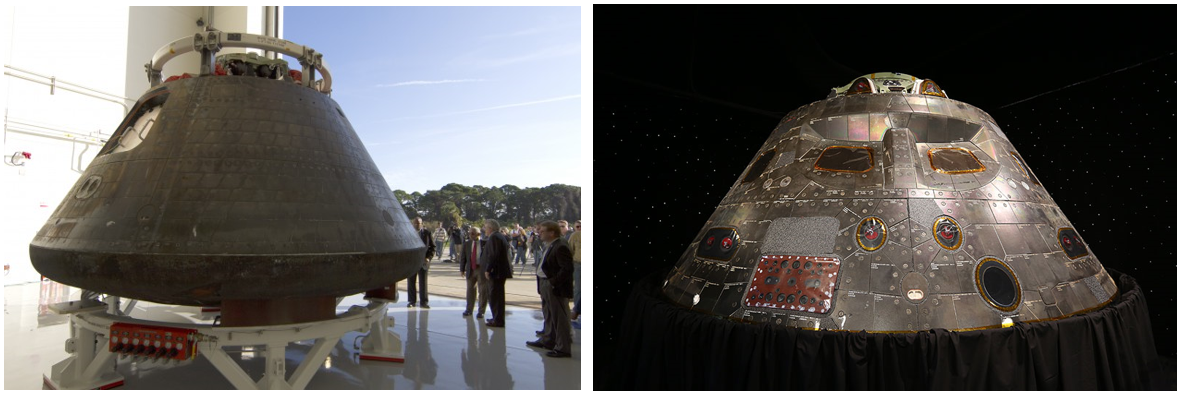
{"x": 382, "y": 344}
{"x": 90, "y": 364}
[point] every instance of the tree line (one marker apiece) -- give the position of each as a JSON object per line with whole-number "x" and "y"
{"x": 507, "y": 204}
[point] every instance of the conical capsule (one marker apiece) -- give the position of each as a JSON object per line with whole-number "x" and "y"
{"x": 231, "y": 189}
{"x": 889, "y": 207}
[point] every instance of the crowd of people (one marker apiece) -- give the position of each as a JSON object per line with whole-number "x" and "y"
{"x": 486, "y": 257}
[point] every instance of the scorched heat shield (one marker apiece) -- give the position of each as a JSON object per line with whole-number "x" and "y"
{"x": 889, "y": 207}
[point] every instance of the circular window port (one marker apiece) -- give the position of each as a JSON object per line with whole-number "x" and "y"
{"x": 388, "y": 217}
{"x": 998, "y": 284}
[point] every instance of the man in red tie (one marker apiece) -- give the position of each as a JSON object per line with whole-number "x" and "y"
{"x": 473, "y": 271}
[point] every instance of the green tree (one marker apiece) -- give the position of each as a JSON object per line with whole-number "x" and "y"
{"x": 508, "y": 204}
{"x": 408, "y": 203}
{"x": 450, "y": 213}
{"x": 493, "y": 200}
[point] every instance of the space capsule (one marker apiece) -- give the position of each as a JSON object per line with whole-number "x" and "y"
{"x": 243, "y": 187}
{"x": 889, "y": 207}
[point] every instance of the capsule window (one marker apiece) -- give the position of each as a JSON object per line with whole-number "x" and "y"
{"x": 928, "y": 87}
{"x": 1023, "y": 167}
{"x": 954, "y": 160}
{"x": 860, "y": 86}
{"x": 997, "y": 284}
{"x": 138, "y": 124}
{"x": 759, "y": 166}
{"x": 845, "y": 159}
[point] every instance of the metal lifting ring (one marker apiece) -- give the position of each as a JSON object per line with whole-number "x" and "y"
{"x": 208, "y": 43}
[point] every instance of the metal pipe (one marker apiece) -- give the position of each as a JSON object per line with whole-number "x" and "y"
{"x": 277, "y": 21}
{"x": 53, "y": 129}
{"x": 57, "y": 83}
{"x": 75, "y": 139}
{"x": 267, "y": 22}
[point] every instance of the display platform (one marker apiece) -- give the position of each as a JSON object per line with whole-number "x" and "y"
{"x": 671, "y": 347}
{"x": 442, "y": 350}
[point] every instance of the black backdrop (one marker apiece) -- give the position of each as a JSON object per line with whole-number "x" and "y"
{"x": 685, "y": 95}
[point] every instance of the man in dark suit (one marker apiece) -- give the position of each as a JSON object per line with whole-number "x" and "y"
{"x": 472, "y": 269}
{"x": 555, "y": 285}
{"x": 420, "y": 276}
{"x": 495, "y": 254}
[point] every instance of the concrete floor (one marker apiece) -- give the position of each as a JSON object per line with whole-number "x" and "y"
{"x": 443, "y": 350}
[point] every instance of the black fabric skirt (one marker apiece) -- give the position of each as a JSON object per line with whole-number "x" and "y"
{"x": 667, "y": 346}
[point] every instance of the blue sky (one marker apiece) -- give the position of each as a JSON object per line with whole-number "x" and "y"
{"x": 472, "y": 95}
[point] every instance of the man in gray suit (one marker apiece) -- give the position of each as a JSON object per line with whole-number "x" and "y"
{"x": 473, "y": 269}
{"x": 555, "y": 285}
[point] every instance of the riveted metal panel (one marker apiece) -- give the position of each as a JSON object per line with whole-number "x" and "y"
{"x": 856, "y": 104}
{"x": 936, "y": 105}
{"x": 937, "y": 132}
{"x": 856, "y": 307}
{"x": 973, "y": 312}
{"x": 893, "y": 312}
{"x": 856, "y": 272}
{"x": 834, "y": 106}
{"x": 895, "y": 252}
{"x": 943, "y": 279}
{"x": 1032, "y": 236}
{"x": 918, "y": 104}
{"x": 1067, "y": 298}
{"x": 941, "y": 312}
{"x": 1012, "y": 239}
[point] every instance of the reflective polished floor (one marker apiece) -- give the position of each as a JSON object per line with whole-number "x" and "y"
{"x": 443, "y": 349}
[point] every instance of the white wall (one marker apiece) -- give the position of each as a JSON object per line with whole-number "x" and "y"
{"x": 154, "y": 27}
{"x": 76, "y": 44}
{"x": 102, "y": 48}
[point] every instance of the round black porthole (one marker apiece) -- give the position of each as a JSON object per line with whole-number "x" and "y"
{"x": 997, "y": 284}
{"x": 947, "y": 233}
{"x": 871, "y": 233}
